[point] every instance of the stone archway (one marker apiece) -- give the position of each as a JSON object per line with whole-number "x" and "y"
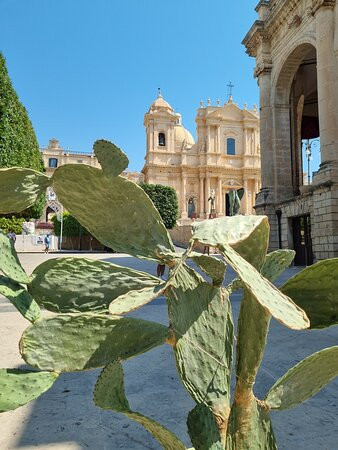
{"x": 294, "y": 100}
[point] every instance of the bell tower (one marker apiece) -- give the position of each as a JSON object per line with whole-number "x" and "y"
{"x": 159, "y": 123}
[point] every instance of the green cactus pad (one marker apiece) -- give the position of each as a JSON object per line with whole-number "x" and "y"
{"x": 304, "y": 380}
{"x": 252, "y": 329}
{"x": 276, "y": 262}
{"x": 315, "y": 289}
{"x": 248, "y": 235}
{"x": 135, "y": 299}
{"x": 109, "y": 206}
{"x": 254, "y": 320}
{"x": 9, "y": 261}
{"x": 18, "y": 387}
{"x": 112, "y": 159}
{"x": 69, "y": 343}
{"x": 20, "y": 298}
{"x": 203, "y": 430}
{"x": 273, "y": 301}
{"x": 79, "y": 284}
{"x": 213, "y": 267}
{"x": 109, "y": 394}
{"x": 19, "y": 188}
{"x": 250, "y": 428}
{"x": 201, "y": 321}
{"x": 180, "y": 275}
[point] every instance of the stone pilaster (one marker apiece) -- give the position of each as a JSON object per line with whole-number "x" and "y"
{"x": 327, "y": 84}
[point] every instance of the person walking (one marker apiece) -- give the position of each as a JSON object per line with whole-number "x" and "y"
{"x": 11, "y": 235}
{"x": 47, "y": 243}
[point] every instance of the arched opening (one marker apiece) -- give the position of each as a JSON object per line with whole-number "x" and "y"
{"x": 49, "y": 213}
{"x": 231, "y": 146}
{"x": 191, "y": 208}
{"x": 296, "y": 121}
{"x": 161, "y": 139}
{"x": 304, "y": 122}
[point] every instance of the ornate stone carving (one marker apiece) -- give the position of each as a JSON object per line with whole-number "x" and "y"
{"x": 263, "y": 67}
{"x": 296, "y": 21}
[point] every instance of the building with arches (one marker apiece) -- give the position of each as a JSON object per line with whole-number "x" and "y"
{"x": 295, "y": 44}
{"x": 225, "y": 157}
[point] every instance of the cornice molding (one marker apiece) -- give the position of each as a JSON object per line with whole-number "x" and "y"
{"x": 317, "y": 4}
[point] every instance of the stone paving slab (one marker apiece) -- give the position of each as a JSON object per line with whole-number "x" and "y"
{"x": 65, "y": 417}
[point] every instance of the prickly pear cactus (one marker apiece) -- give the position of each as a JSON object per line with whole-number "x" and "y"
{"x": 90, "y": 298}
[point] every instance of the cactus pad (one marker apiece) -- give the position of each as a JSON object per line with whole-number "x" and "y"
{"x": 19, "y": 188}
{"x": 273, "y": 301}
{"x": 135, "y": 299}
{"x": 69, "y": 343}
{"x": 202, "y": 428}
{"x": 304, "y": 380}
{"x": 213, "y": 267}
{"x": 109, "y": 206}
{"x": 248, "y": 235}
{"x": 20, "y": 298}
{"x": 18, "y": 387}
{"x": 201, "y": 321}
{"x": 315, "y": 289}
{"x": 112, "y": 159}
{"x": 109, "y": 394}
{"x": 250, "y": 428}
{"x": 9, "y": 261}
{"x": 81, "y": 284}
{"x": 276, "y": 262}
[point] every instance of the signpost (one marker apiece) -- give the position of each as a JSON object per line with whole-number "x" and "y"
{"x": 58, "y": 209}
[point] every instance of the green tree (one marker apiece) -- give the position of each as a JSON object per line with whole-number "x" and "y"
{"x": 165, "y": 200}
{"x": 71, "y": 226}
{"x": 18, "y": 144}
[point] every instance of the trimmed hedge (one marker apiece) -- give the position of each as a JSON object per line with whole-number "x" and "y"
{"x": 71, "y": 226}
{"x": 165, "y": 200}
{"x": 18, "y": 144}
{"x": 13, "y": 223}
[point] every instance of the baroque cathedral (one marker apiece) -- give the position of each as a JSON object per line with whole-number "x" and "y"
{"x": 225, "y": 157}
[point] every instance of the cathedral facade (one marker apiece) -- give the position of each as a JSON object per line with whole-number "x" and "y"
{"x": 225, "y": 157}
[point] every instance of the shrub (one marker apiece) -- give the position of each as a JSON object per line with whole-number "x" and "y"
{"x": 13, "y": 223}
{"x": 165, "y": 200}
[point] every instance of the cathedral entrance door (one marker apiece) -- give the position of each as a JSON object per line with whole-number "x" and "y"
{"x": 191, "y": 209}
{"x": 302, "y": 243}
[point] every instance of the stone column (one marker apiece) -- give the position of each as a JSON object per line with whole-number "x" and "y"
{"x": 267, "y": 158}
{"x": 207, "y": 195}
{"x": 327, "y": 82}
{"x": 208, "y": 139}
{"x": 219, "y": 149}
{"x": 202, "y": 212}
{"x": 183, "y": 196}
{"x": 220, "y": 202}
{"x": 245, "y": 149}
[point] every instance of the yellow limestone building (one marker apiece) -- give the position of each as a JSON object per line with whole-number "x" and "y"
{"x": 225, "y": 157}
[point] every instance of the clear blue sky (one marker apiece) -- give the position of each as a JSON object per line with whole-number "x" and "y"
{"x": 89, "y": 69}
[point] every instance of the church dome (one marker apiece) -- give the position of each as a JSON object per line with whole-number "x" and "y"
{"x": 183, "y": 135}
{"x": 159, "y": 104}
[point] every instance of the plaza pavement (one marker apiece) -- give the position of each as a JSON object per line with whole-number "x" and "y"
{"x": 66, "y": 418}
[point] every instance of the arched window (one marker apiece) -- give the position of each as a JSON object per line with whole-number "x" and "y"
{"x": 231, "y": 146}
{"x": 161, "y": 139}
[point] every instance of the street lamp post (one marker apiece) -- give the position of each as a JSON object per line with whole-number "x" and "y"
{"x": 308, "y": 153}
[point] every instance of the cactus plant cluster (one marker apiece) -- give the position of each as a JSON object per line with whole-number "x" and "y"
{"x": 89, "y": 300}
